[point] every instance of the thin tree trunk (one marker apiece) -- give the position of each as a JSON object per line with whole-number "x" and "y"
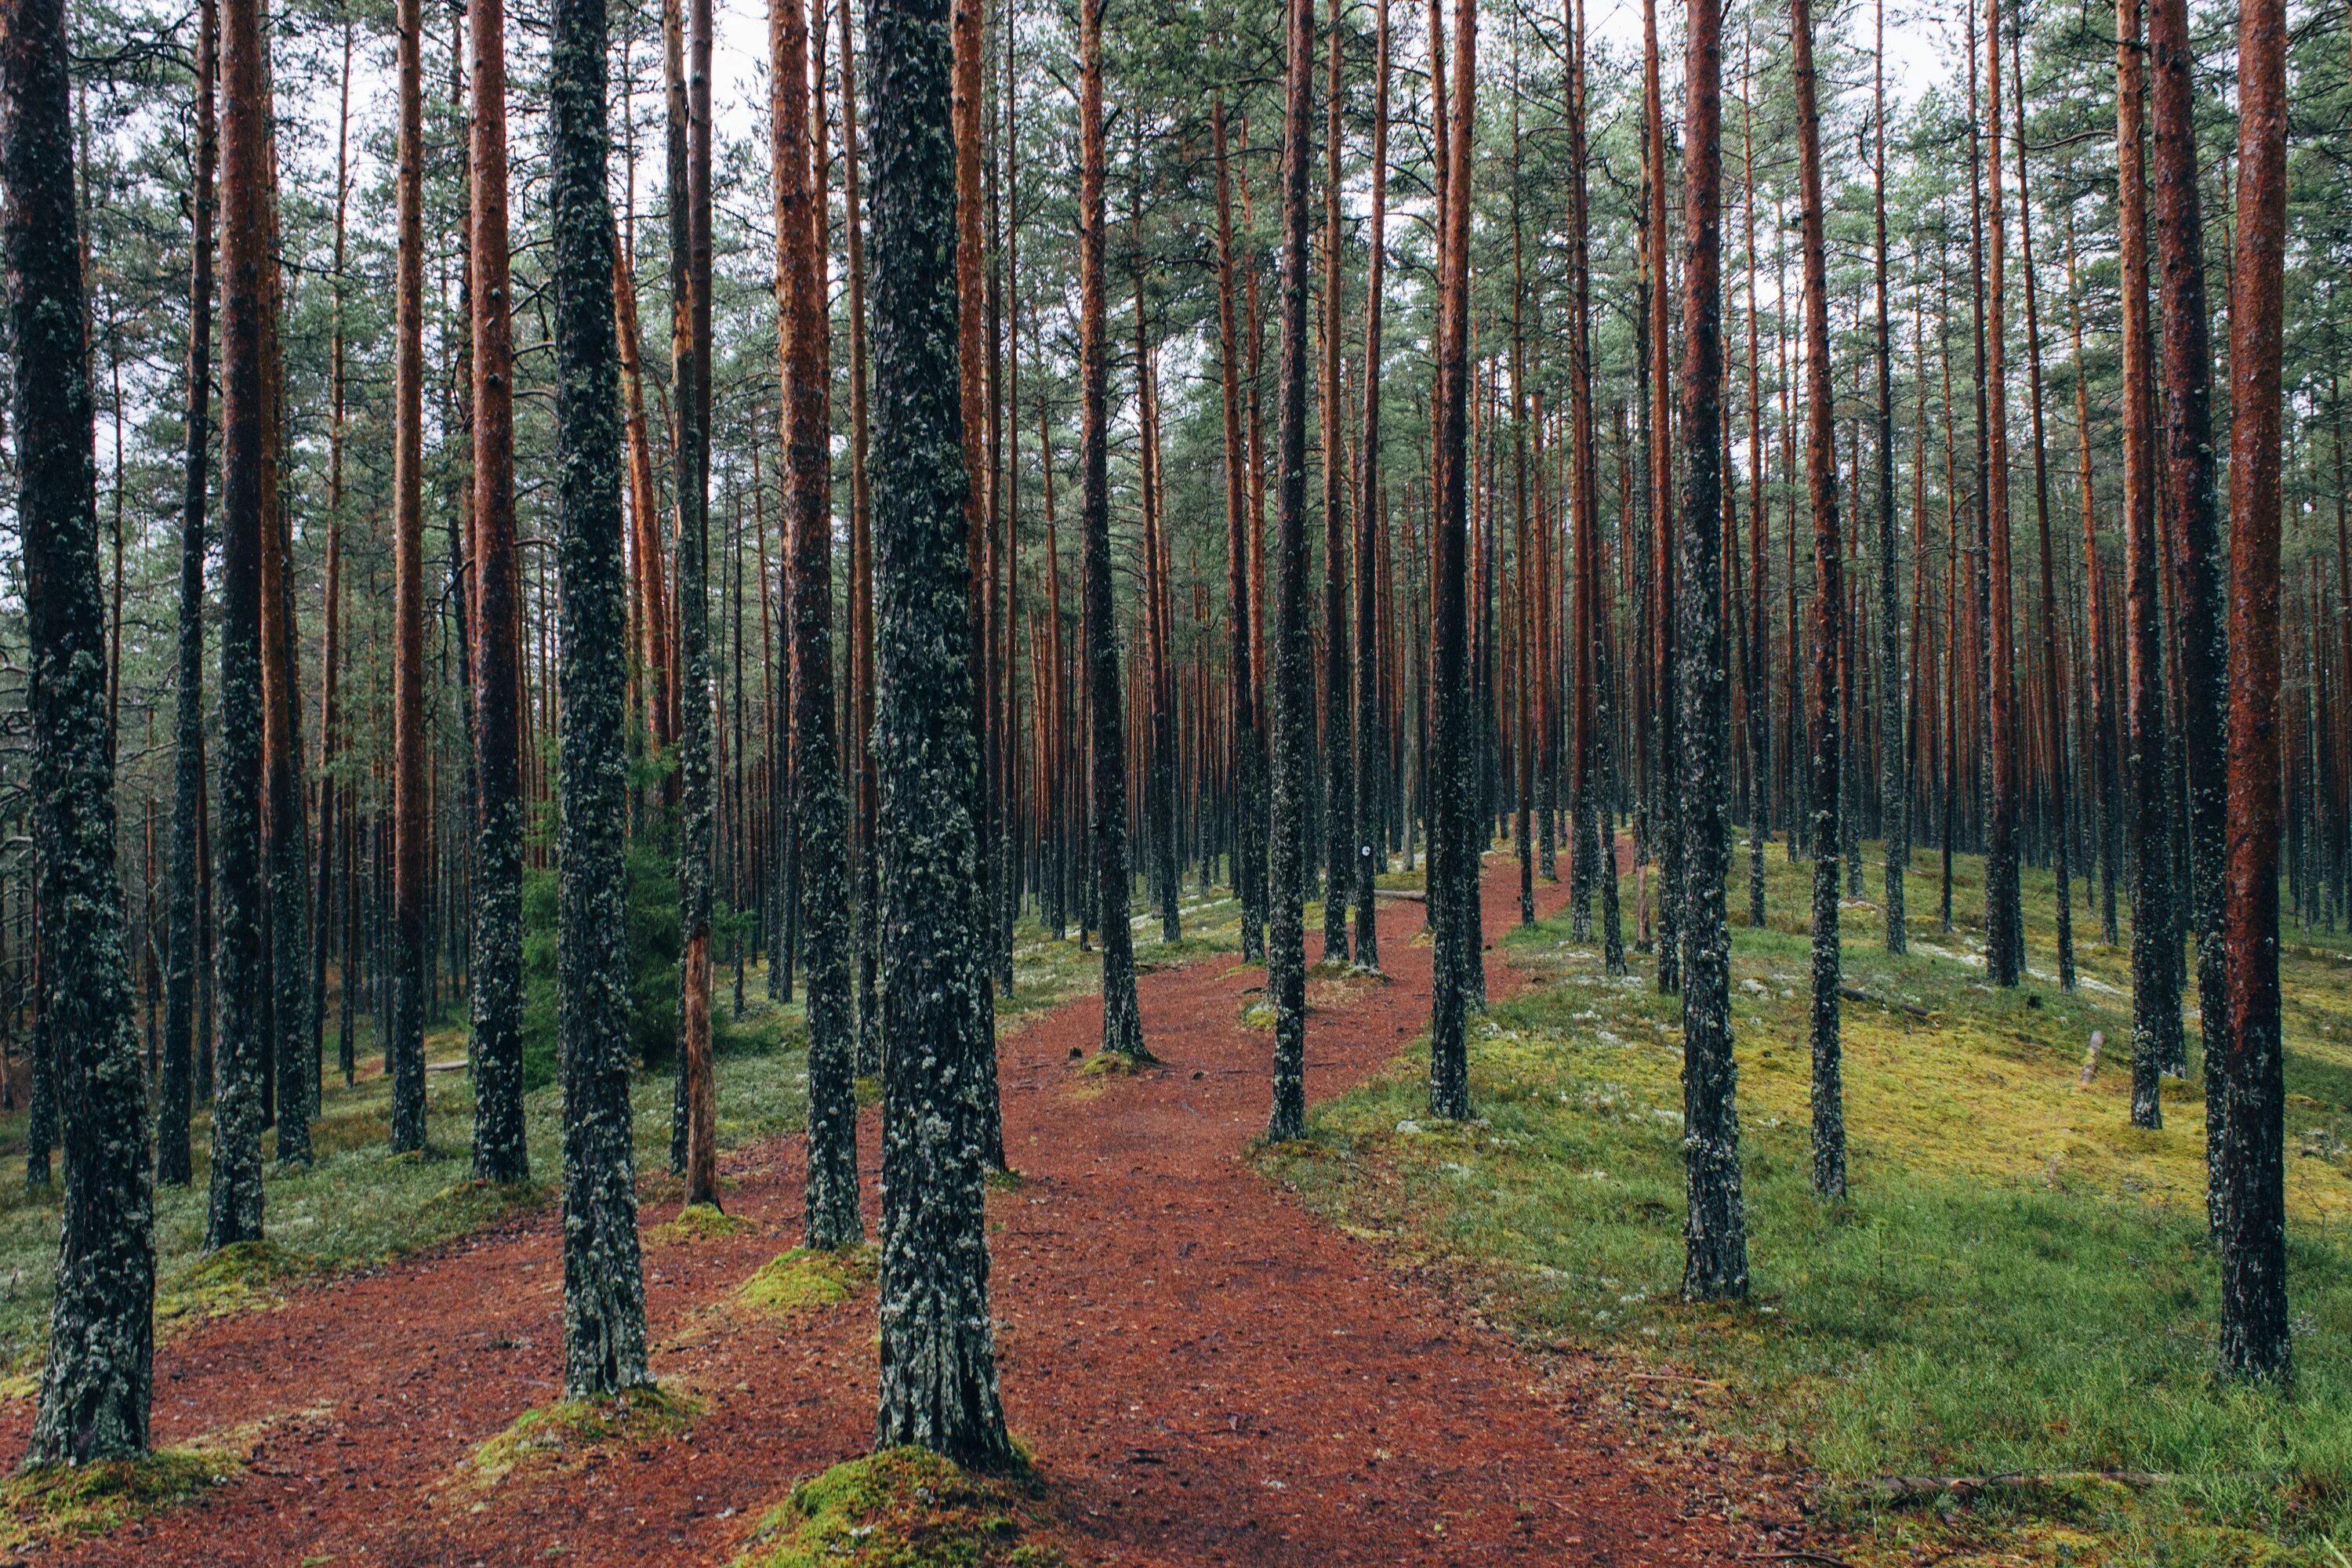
{"x": 819, "y": 816}
{"x": 499, "y": 1151}
{"x": 1371, "y": 836}
{"x": 1338, "y": 747}
{"x": 1122, "y": 1019}
{"x": 2257, "y": 1340}
{"x": 1247, "y": 763}
{"x": 412, "y": 807}
{"x": 1894, "y": 785}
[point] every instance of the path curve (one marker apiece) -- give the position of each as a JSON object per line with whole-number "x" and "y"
{"x": 1208, "y": 1374}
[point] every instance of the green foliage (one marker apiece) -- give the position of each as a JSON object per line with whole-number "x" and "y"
{"x": 653, "y": 963}
{"x": 90, "y": 1499}
{"x": 903, "y": 1507}
{"x": 2020, "y": 1281}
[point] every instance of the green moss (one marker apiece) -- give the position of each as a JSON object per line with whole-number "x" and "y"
{"x": 560, "y": 1438}
{"x": 903, "y": 1507}
{"x": 1117, "y": 1063}
{"x": 2021, "y": 1282}
{"x": 90, "y": 1499}
{"x": 234, "y": 1279}
{"x": 696, "y": 1222}
{"x": 805, "y": 1280}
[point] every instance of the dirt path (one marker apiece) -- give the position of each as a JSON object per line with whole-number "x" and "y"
{"x": 1208, "y": 1374}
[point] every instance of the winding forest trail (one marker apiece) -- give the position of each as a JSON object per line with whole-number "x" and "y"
{"x": 1208, "y": 1374}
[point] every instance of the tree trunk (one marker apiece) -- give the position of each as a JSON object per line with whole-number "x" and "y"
{"x": 500, "y": 1153}
{"x": 1716, "y": 1227}
{"x": 603, "y": 1282}
{"x": 1894, "y": 783}
{"x": 2256, "y": 1338}
{"x": 1372, "y": 836}
{"x": 2004, "y": 908}
{"x": 937, "y": 1350}
{"x": 234, "y": 1211}
{"x": 1828, "y": 628}
{"x": 1339, "y": 748}
{"x": 819, "y": 816}
{"x": 412, "y": 811}
{"x": 1246, "y": 759}
{"x": 2155, "y": 985}
{"x": 173, "y": 1163}
{"x": 1122, "y": 1020}
{"x": 98, "y": 1380}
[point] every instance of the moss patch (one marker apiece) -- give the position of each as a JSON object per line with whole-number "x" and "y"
{"x": 91, "y": 1499}
{"x": 806, "y": 1280}
{"x": 903, "y": 1507}
{"x": 560, "y": 1438}
{"x": 235, "y": 1278}
{"x": 1117, "y": 1064}
{"x": 696, "y": 1222}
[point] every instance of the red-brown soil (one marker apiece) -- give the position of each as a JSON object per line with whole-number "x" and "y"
{"x": 1206, "y": 1373}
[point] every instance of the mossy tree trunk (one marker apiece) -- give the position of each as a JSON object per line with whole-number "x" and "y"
{"x": 97, "y": 1381}
{"x": 500, "y": 1153}
{"x": 1715, "y": 1230}
{"x": 819, "y": 814}
{"x": 603, "y": 1282}
{"x": 938, "y": 1385}
{"x": 412, "y": 805}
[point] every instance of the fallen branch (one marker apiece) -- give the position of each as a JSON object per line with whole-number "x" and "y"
{"x": 1904, "y": 1488}
{"x": 1855, "y": 994}
{"x": 1409, "y": 895}
{"x": 456, "y": 1065}
{"x": 1822, "y": 1557}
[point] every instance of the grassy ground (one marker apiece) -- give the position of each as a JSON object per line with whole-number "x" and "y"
{"x": 356, "y": 1204}
{"x": 2020, "y": 1281}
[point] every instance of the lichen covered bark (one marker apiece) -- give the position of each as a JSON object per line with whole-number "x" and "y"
{"x": 603, "y": 1283}
{"x": 1715, "y": 1230}
{"x": 233, "y": 1212}
{"x": 938, "y": 1353}
{"x": 820, "y": 815}
{"x": 96, "y": 1383}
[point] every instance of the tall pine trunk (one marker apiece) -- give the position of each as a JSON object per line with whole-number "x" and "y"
{"x": 412, "y": 807}
{"x": 819, "y": 814}
{"x": 99, "y": 1373}
{"x": 603, "y": 1281}
{"x": 1372, "y": 834}
{"x": 1338, "y": 785}
{"x": 938, "y": 1386}
{"x": 499, "y": 1151}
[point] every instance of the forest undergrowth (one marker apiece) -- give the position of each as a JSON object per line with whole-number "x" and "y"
{"x": 2020, "y": 1286}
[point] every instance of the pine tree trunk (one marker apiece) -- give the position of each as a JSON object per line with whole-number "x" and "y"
{"x": 99, "y": 1376}
{"x": 1894, "y": 783}
{"x": 1455, "y": 808}
{"x": 603, "y": 1282}
{"x": 500, "y": 1153}
{"x": 819, "y": 814}
{"x": 2189, "y": 512}
{"x": 1122, "y": 1020}
{"x": 412, "y": 807}
{"x": 2156, "y": 986}
{"x": 233, "y": 1210}
{"x": 1716, "y": 1226}
{"x": 2004, "y": 910}
{"x": 173, "y": 1163}
{"x": 938, "y": 1351}
{"x": 1247, "y": 762}
{"x": 1372, "y": 836}
{"x": 1338, "y": 745}
{"x": 1829, "y": 622}
{"x": 2257, "y": 1340}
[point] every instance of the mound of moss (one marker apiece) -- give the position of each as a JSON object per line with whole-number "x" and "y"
{"x": 228, "y": 1279}
{"x": 903, "y": 1507}
{"x": 92, "y": 1498}
{"x": 562, "y": 1437}
{"x": 807, "y": 1281}
{"x": 696, "y": 1222}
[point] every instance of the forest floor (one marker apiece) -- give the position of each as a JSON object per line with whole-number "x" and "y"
{"x": 1203, "y": 1371}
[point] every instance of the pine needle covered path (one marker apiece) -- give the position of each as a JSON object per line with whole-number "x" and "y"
{"x": 1206, "y": 1373}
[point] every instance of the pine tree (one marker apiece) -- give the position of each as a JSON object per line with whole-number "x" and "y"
{"x": 1372, "y": 834}
{"x": 938, "y": 1346}
{"x": 174, "y": 1163}
{"x": 99, "y": 1376}
{"x": 499, "y": 1151}
{"x": 1294, "y": 695}
{"x": 412, "y": 814}
{"x": 1714, "y": 1231}
{"x": 603, "y": 1281}
{"x": 1122, "y": 1018}
{"x": 1338, "y": 744}
{"x": 819, "y": 814}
